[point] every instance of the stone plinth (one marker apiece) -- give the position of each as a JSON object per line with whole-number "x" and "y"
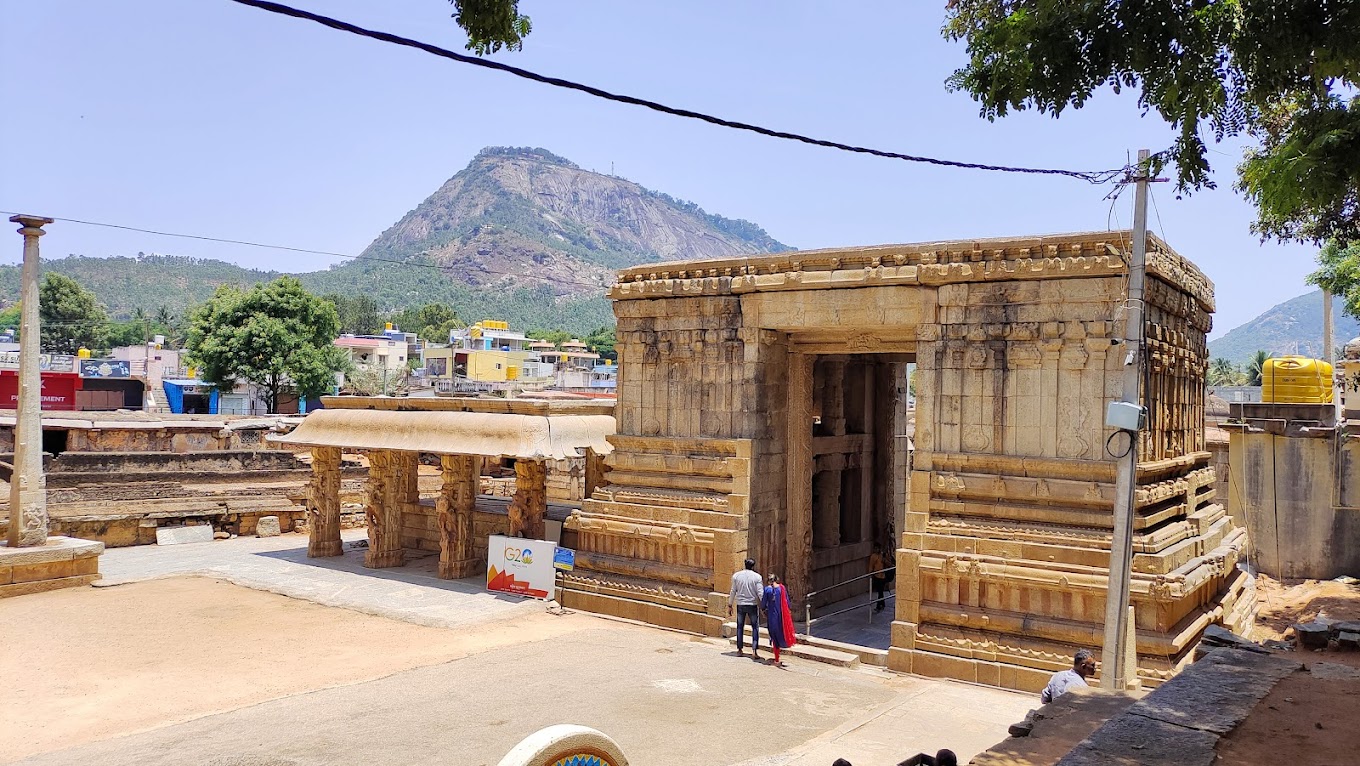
{"x": 62, "y": 562}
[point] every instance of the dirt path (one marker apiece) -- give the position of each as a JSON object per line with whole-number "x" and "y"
{"x": 86, "y": 664}
{"x": 1283, "y": 603}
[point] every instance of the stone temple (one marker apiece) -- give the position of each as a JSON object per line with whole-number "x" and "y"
{"x": 762, "y": 411}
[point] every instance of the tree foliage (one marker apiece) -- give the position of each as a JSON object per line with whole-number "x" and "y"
{"x": 433, "y": 321}
{"x": 1285, "y": 73}
{"x": 277, "y": 335}
{"x": 602, "y": 342}
{"x": 1339, "y": 272}
{"x": 491, "y": 24}
{"x": 1222, "y": 372}
{"x": 1256, "y": 367}
{"x": 358, "y": 313}
{"x": 71, "y": 316}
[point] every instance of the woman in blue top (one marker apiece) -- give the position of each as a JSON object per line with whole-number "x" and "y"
{"x": 778, "y": 618}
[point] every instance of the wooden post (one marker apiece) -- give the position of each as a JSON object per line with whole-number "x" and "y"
{"x": 530, "y": 502}
{"x": 457, "y": 503}
{"x": 383, "y": 512}
{"x": 323, "y": 504}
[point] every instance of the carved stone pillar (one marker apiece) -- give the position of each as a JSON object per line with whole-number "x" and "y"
{"x": 798, "y": 489}
{"x": 596, "y": 469}
{"x": 384, "y": 511}
{"x": 456, "y": 504}
{"x": 530, "y": 502}
{"x": 323, "y": 504}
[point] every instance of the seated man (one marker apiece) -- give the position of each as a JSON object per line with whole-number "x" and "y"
{"x": 1083, "y": 667}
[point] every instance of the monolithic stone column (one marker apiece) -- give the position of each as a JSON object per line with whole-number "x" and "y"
{"x": 456, "y": 504}
{"x": 28, "y": 485}
{"x": 323, "y": 504}
{"x": 383, "y": 512}
{"x": 798, "y": 489}
{"x": 530, "y": 503}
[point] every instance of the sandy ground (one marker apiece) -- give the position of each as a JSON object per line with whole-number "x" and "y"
{"x": 1283, "y": 603}
{"x": 1308, "y": 718}
{"x": 84, "y": 664}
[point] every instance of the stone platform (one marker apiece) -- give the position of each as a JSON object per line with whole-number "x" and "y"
{"x": 63, "y": 562}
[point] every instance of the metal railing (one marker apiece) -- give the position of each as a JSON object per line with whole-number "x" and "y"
{"x": 888, "y": 596}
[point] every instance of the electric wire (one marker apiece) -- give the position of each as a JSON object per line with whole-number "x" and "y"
{"x": 1090, "y": 176}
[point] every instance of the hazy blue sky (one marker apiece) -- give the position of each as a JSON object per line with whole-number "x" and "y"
{"x": 212, "y": 118}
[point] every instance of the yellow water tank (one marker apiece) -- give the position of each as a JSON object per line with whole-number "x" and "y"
{"x": 1296, "y": 380}
{"x": 512, "y": 372}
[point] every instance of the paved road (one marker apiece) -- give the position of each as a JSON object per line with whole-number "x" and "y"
{"x": 280, "y": 565}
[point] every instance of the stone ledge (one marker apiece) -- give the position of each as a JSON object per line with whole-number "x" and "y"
{"x": 57, "y": 549}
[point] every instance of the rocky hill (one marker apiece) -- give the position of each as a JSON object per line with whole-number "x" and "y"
{"x": 1292, "y": 327}
{"x": 528, "y": 218}
{"x": 519, "y": 234}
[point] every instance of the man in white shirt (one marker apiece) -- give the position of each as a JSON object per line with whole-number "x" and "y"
{"x": 747, "y": 585}
{"x": 1083, "y": 667}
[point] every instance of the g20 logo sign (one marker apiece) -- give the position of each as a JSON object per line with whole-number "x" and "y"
{"x": 519, "y": 555}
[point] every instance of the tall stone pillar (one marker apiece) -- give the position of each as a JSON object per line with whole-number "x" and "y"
{"x": 384, "y": 512}
{"x": 457, "y": 501}
{"x": 530, "y": 502}
{"x": 323, "y": 504}
{"x": 28, "y": 486}
{"x": 798, "y": 487}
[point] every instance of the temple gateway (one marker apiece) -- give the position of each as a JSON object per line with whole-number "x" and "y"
{"x": 762, "y": 411}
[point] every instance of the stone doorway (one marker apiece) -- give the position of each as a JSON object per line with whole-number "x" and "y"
{"x": 855, "y": 468}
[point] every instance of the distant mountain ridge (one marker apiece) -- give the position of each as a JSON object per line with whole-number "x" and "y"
{"x": 1292, "y": 327}
{"x": 520, "y": 234}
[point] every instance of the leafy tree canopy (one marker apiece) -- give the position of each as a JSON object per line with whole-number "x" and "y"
{"x": 358, "y": 313}
{"x": 1285, "y": 73}
{"x": 277, "y": 335}
{"x": 602, "y": 342}
{"x": 433, "y": 321}
{"x": 1339, "y": 272}
{"x": 555, "y": 337}
{"x": 491, "y": 24}
{"x": 71, "y": 316}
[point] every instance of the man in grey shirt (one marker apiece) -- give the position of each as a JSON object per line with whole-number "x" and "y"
{"x": 747, "y": 586}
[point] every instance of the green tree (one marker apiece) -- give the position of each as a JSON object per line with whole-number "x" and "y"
{"x": 491, "y": 24}
{"x": 433, "y": 321}
{"x": 1339, "y": 272}
{"x": 1286, "y": 74}
{"x": 358, "y": 313}
{"x": 70, "y": 315}
{"x": 10, "y": 317}
{"x": 555, "y": 337}
{"x": 277, "y": 335}
{"x": 1256, "y": 368}
{"x": 1222, "y": 372}
{"x": 602, "y": 342}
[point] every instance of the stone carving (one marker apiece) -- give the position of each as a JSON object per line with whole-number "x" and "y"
{"x": 530, "y": 502}
{"x": 323, "y": 504}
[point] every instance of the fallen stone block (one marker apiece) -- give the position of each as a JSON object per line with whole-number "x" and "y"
{"x": 198, "y": 533}
{"x": 267, "y": 526}
{"x": 1312, "y": 635}
{"x": 1348, "y": 640}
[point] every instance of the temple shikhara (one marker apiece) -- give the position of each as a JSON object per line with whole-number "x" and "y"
{"x": 763, "y": 411}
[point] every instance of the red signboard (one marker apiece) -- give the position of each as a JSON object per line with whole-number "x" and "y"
{"x": 58, "y": 390}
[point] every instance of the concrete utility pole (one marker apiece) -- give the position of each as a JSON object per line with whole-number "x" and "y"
{"x": 28, "y": 485}
{"x": 1118, "y": 671}
{"x": 1327, "y": 327}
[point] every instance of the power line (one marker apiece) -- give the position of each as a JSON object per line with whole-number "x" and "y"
{"x": 1091, "y": 176}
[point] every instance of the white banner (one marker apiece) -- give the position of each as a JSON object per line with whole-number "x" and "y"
{"x": 522, "y": 567}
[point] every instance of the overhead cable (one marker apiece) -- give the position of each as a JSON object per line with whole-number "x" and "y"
{"x": 1091, "y": 176}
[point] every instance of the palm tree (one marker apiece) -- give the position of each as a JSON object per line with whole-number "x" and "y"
{"x": 1256, "y": 367}
{"x": 1223, "y": 372}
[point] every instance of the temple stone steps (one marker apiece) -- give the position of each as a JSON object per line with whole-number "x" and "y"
{"x": 803, "y": 649}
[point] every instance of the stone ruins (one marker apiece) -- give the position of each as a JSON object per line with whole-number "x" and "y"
{"x": 762, "y": 412}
